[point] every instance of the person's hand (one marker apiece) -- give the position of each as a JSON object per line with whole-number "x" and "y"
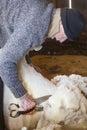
{"x": 26, "y": 102}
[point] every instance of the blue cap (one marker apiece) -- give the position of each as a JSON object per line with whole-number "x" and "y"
{"x": 73, "y": 22}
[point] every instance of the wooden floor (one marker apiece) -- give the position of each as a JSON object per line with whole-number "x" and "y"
{"x": 61, "y": 65}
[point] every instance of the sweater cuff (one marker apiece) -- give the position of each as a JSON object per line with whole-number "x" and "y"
{"x": 22, "y": 97}
{"x": 20, "y": 92}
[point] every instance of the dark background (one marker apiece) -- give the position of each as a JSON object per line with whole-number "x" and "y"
{"x": 51, "y": 47}
{"x": 77, "y": 47}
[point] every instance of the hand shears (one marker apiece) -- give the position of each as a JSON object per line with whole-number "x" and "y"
{"x": 14, "y": 109}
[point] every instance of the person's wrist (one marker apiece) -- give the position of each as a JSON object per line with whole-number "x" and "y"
{"x": 26, "y": 98}
{"x": 23, "y": 97}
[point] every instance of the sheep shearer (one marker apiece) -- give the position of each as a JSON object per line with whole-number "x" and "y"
{"x": 26, "y": 24}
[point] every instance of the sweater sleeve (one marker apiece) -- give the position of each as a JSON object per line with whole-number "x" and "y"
{"x": 30, "y": 21}
{"x": 10, "y": 54}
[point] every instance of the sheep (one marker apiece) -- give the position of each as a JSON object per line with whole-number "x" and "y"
{"x": 67, "y": 104}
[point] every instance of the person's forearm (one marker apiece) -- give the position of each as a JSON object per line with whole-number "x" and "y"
{"x": 9, "y": 75}
{"x": 9, "y": 57}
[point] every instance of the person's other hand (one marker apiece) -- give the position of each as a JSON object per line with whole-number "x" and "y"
{"x": 26, "y": 102}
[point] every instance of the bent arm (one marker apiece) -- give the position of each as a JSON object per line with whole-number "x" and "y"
{"x": 14, "y": 49}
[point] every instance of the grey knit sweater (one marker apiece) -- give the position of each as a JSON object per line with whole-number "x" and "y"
{"x": 25, "y": 24}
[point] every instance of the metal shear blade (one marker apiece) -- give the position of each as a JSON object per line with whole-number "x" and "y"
{"x": 15, "y": 112}
{"x": 14, "y": 109}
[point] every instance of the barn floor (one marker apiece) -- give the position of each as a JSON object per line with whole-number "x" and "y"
{"x": 56, "y": 65}
{"x": 62, "y": 58}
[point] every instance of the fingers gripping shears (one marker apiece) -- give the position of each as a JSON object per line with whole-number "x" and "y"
{"x": 14, "y": 109}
